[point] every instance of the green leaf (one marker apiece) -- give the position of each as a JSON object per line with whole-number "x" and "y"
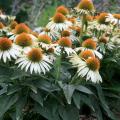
{"x": 96, "y": 106}
{"x": 86, "y": 99}
{"x": 19, "y": 107}
{"x": 49, "y": 111}
{"x": 13, "y": 89}
{"x": 31, "y": 86}
{"x": 68, "y": 91}
{"x": 6, "y": 102}
{"x": 83, "y": 89}
{"x": 115, "y": 88}
{"x": 103, "y": 103}
{"x": 3, "y": 88}
{"x": 69, "y": 113}
{"x": 76, "y": 99}
{"x": 37, "y": 97}
{"x": 46, "y": 86}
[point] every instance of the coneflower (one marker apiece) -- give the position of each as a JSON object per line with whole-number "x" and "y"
{"x": 58, "y": 22}
{"x": 88, "y": 68}
{"x": 44, "y": 41}
{"x": 86, "y": 54}
{"x": 34, "y": 61}
{"x": 90, "y": 44}
{"x": 53, "y": 34}
{"x": 86, "y": 5}
{"x": 20, "y": 28}
{"x": 23, "y": 40}
{"x": 102, "y": 18}
{"x": 62, "y": 9}
{"x": 8, "y": 50}
{"x": 69, "y": 34}
{"x": 65, "y": 44}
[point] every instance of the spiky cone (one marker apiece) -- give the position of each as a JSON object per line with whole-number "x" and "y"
{"x": 102, "y": 18}
{"x": 62, "y": 9}
{"x": 20, "y": 28}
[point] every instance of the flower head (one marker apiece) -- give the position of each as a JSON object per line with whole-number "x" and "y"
{"x": 5, "y": 44}
{"x": 102, "y": 18}
{"x": 117, "y": 16}
{"x": 35, "y": 55}
{"x": 103, "y": 39}
{"x": 59, "y": 18}
{"x": 34, "y": 61}
{"x": 1, "y": 25}
{"x": 93, "y": 63}
{"x": 72, "y": 20}
{"x": 23, "y": 40}
{"x": 62, "y": 9}
{"x": 65, "y": 33}
{"x": 8, "y": 50}
{"x": 89, "y": 43}
{"x": 65, "y": 42}
{"x": 86, "y": 5}
{"x": 20, "y": 28}
{"x": 88, "y": 68}
{"x": 86, "y": 54}
{"x": 45, "y": 39}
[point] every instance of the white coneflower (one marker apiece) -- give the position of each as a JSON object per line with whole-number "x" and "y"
{"x": 8, "y": 50}
{"x": 23, "y": 40}
{"x": 117, "y": 16}
{"x": 59, "y": 22}
{"x": 21, "y": 28}
{"x": 34, "y": 61}
{"x": 62, "y": 9}
{"x": 44, "y": 41}
{"x": 111, "y": 19}
{"x": 88, "y": 68}
{"x": 65, "y": 45}
{"x": 85, "y": 7}
{"x": 107, "y": 44}
{"x": 69, "y": 34}
{"x": 90, "y": 45}
{"x": 51, "y": 33}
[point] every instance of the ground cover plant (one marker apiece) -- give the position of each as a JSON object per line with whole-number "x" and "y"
{"x": 68, "y": 70}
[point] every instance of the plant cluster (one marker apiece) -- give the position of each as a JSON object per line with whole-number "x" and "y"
{"x": 67, "y": 69}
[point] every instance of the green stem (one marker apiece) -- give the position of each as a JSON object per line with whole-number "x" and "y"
{"x": 83, "y": 24}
